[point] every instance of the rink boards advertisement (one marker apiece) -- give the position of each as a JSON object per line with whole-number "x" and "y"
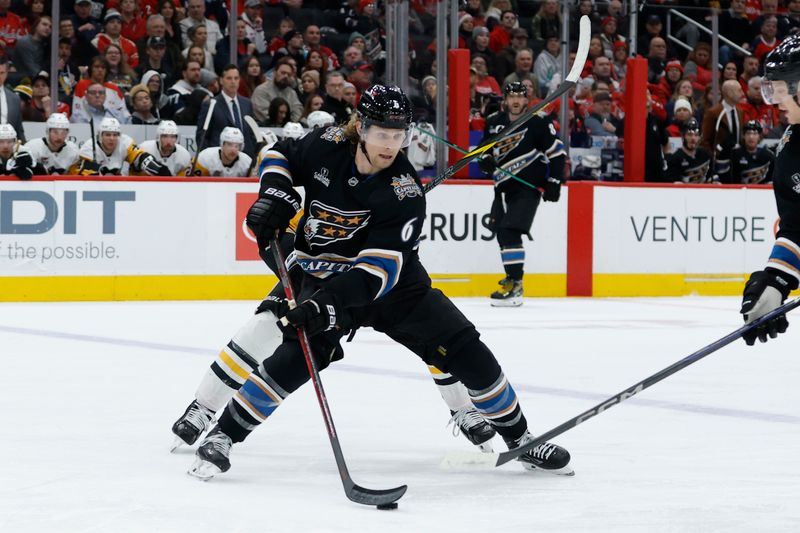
{"x": 168, "y": 238}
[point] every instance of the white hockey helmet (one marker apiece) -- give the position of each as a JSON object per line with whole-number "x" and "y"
{"x": 320, "y": 119}
{"x": 270, "y": 139}
{"x": 293, "y": 130}
{"x": 109, "y": 125}
{"x": 167, "y": 127}
{"x": 231, "y": 135}
{"x": 57, "y": 121}
{"x": 7, "y": 132}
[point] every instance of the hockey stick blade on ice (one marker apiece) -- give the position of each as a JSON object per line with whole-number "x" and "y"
{"x": 458, "y": 459}
{"x": 568, "y": 83}
{"x": 355, "y": 493}
{"x": 211, "y": 104}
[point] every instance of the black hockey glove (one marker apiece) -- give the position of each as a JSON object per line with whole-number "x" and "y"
{"x": 764, "y": 291}
{"x": 487, "y": 164}
{"x": 272, "y": 212}
{"x": 22, "y": 165}
{"x": 151, "y": 167}
{"x": 276, "y": 305}
{"x": 318, "y": 313}
{"x": 552, "y": 189}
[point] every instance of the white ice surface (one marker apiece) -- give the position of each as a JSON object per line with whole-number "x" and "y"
{"x": 89, "y": 392}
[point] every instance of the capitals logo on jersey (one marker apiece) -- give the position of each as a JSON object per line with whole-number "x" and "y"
{"x": 507, "y": 144}
{"x": 326, "y": 224}
{"x": 405, "y": 186}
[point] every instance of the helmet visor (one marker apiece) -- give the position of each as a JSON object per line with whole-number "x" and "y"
{"x": 391, "y": 138}
{"x": 775, "y": 91}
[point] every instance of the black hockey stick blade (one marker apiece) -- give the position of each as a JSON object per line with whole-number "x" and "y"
{"x": 568, "y": 83}
{"x": 497, "y": 459}
{"x": 355, "y": 493}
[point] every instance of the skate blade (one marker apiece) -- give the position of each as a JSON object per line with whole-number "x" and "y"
{"x": 563, "y": 471}
{"x": 511, "y": 302}
{"x": 177, "y": 443}
{"x": 203, "y": 470}
{"x": 486, "y": 447}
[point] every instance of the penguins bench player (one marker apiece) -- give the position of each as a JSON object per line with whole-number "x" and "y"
{"x": 357, "y": 265}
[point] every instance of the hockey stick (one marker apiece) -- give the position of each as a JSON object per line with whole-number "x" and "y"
{"x": 355, "y": 493}
{"x": 566, "y": 85}
{"x": 497, "y": 459}
{"x": 253, "y": 125}
{"x": 200, "y": 146}
{"x": 94, "y": 140}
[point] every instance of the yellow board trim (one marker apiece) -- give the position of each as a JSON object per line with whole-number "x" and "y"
{"x": 240, "y": 287}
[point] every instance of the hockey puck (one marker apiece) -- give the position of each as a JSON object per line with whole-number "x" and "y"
{"x": 387, "y": 506}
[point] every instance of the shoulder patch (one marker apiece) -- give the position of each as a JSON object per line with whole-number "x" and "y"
{"x": 405, "y": 186}
{"x": 334, "y": 134}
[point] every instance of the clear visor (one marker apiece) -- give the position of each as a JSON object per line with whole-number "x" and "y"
{"x": 391, "y": 138}
{"x": 774, "y": 92}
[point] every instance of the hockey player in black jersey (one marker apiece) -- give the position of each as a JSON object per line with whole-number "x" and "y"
{"x": 356, "y": 265}
{"x": 690, "y": 163}
{"x": 768, "y": 288}
{"x": 535, "y": 154}
{"x": 749, "y": 162}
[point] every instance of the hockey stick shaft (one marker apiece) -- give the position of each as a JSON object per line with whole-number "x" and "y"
{"x": 646, "y": 383}
{"x": 253, "y": 125}
{"x": 201, "y": 146}
{"x": 354, "y": 492}
{"x": 94, "y": 139}
{"x": 568, "y": 83}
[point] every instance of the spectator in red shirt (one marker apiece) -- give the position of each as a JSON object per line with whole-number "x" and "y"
{"x": 312, "y": 38}
{"x": 134, "y": 25}
{"x": 681, "y": 113}
{"x": 12, "y": 27}
{"x": 754, "y": 108}
{"x": 33, "y": 10}
{"x": 485, "y": 84}
{"x": 751, "y": 66}
{"x": 766, "y": 40}
{"x": 698, "y": 66}
{"x": 113, "y": 34}
{"x": 500, "y": 36}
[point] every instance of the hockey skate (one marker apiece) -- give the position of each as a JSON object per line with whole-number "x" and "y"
{"x": 509, "y": 294}
{"x": 212, "y": 456}
{"x": 547, "y": 457}
{"x": 192, "y": 423}
{"x": 474, "y": 427}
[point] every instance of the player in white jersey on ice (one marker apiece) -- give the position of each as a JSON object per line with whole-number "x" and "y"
{"x": 226, "y": 160}
{"x": 167, "y": 151}
{"x": 53, "y": 153}
{"x": 114, "y": 153}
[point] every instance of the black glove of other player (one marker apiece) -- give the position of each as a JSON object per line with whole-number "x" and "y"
{"x": 318, "y": 313}
{"x": 552, "y": 189}
{"x": 272, "y": 212}
{"x": 22, "y": 165}
{"x": 487, "y": 163}
{"x": 764, "y": 291}
{"x": 274, "y": 304}
{"x": 151, "y": 167}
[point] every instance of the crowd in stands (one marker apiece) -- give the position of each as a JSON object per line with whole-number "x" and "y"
{"x": 143, "y": 61}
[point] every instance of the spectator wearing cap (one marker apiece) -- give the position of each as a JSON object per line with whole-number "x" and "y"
{"x": 673, "y": 73}
{"x": 653, "y": 28}
{"x": 424, "y": 104}
{"x": 156, "y": 58}
{"x": 620, "y": 62}
{"x": 309, "y": 85}
{"x": 609, "y": 36}
{"x": 31, "y": 53}
{"x": 142, "y": 105}
{"x": 280, "y": 85}
{"x": 86, "y": 26}
{"x": 523, "y": 69}
{"x": 547, "y": 66}
{"x": 134, "y": 25}
{"x": 293, "y": 48}
{"x": 466, "y": 24}
{"x": 196, "y": 14}
{"x": 349, "y": 94}
{"x": 506, "y": 59}
{"x": 600, "y": 122}
{"x": 254, "y": 24}
{"x": 362, "y": 76}
{"x": 546, "y": 23}
{"x": 112, "y": 34}
{"x": 500, "y": 36}
{"x": 682, "y": 111}
{"x": 156, "y": 27}
{"x": 9, "y": 102}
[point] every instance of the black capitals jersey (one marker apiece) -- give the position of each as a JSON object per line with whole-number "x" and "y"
{"x": 358, "y": 233}
{"x": 786, "y": 183}
{"x": 532, "y": 152}
{"x": 751, "y": 167}
{"x": 683, "y": 167}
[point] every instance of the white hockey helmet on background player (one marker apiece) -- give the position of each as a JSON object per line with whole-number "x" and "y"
{"x": 169, "y": 129}
{"x": 108, "y": 134}
{"x": 231, "y": 135}
{"x": 57, "y": 121}
{"x": 293, "y": 130}
{"x": 109, "y": 125}
{"x": 8, "y": 140}
{"x": 320, "y": 119}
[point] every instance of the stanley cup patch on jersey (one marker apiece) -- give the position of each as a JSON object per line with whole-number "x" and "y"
{"x": 326, "y": 224}
{"x": 405, "y": 186}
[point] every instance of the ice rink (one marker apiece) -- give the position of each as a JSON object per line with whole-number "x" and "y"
{"x": 90, "y": 390}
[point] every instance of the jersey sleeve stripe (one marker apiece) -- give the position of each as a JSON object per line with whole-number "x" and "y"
{"x": 385, "y": 264}
{"x": 555, "y": 150}
{"x": 785, "y": 257}
{"x": 274, "y": 162}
